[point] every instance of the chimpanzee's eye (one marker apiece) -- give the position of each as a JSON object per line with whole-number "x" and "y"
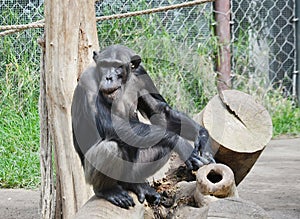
{"x": 119, "y": 72}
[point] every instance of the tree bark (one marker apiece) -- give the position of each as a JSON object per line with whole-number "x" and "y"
{"x": 70, "y": 38}
{"x": 222, "y": 16}
{"x": 47, "y": 202}
{"x": 239, "y": 128}
{"x": 97, "y": 208}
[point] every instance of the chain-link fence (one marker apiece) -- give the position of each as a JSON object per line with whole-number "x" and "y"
{"x": 264, "y": 43}
{"x": 23, "y": 43}
{"x": 170, "y": 43}
{"x": 181, "y": 41}
{"x": 19, "y": 93}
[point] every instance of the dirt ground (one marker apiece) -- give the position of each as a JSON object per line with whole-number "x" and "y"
{"x": 273, "y": 183}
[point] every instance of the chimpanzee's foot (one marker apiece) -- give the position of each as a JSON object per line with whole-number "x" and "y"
{"x": 144, "y": 191}
{"x": 116, "y": 195}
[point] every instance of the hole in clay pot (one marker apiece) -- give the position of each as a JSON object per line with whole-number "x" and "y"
{"x": 214, "y": 177}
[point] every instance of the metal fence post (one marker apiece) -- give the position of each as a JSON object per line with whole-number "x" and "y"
{"x": 298, "y": 49}
{"x": 222, "y": 16}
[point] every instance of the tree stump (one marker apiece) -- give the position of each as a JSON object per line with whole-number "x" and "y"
{"x": 239, "y": 128}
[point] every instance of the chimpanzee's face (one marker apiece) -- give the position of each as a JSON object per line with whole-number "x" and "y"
{"x": 113, "y": 74}
{"x": 114, "y": 67}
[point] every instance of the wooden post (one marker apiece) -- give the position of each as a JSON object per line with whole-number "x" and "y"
{"x": 222, "y": 16}
{"x": 70, "y": 38}
{"x": 47, "y": 203}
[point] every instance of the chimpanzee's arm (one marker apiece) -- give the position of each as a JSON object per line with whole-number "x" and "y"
{"x": 175, "y": 121}
{"x": 153, "y": 105}
{"x": 158, "y": 142}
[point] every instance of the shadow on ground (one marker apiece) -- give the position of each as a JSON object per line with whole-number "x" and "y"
{"x": 273, "y": 183}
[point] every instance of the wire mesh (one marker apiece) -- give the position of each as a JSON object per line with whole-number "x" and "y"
{"x": 181, "y": 40}
{"x": 263, "y": 42}
{"x": 20, "y": 47}
{"x": 170, "y": 43}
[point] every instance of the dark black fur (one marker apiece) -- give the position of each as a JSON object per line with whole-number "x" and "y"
{"x": 117, "y": 150}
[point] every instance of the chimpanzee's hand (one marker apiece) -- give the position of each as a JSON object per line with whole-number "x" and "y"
{"x": 162, "y": 107}
{"x": 195, "y": 161}
{"x": 143, "y": 191}
{"x": 202, "y": 145}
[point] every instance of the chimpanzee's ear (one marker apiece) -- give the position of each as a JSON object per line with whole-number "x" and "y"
{"x": 135, "y": 61}
{"x": 95, "y": 56}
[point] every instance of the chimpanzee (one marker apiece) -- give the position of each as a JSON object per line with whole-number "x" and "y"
{"x": 117, "y": 150}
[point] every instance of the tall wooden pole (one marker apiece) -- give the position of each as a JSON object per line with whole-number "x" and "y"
{"x": 222, "y": 17}
{"x": 70, "y": 38}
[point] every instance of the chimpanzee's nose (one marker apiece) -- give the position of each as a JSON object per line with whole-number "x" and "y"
{"x": 109, "y": 78}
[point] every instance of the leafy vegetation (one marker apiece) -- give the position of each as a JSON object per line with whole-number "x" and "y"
{"x": 19, "y": 124}
{"x": 285, "y": 115}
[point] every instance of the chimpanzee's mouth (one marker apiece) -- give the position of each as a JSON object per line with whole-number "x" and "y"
{"x": 111, "y": 93}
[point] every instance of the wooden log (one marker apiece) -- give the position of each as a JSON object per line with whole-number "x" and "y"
{"x": 235, "y": 208}
{"x": 96, "y": 208}
{"x": 216, "y": 195}
{"x": 223, "y": 208}
{"x": 214, "y": 181}
{"x": 239, "y": 128}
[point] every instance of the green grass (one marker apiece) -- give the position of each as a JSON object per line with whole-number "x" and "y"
{"x": 285, "y": 116}
{"x": 19, "y": 123}
{"x": 286, "y": 120}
